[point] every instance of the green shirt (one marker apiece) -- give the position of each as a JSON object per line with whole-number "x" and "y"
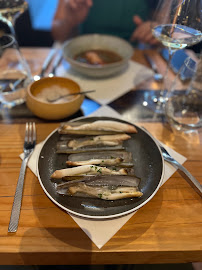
{"x": 114, "y": 17}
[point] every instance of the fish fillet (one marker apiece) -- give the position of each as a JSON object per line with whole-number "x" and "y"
{"x": 110, "y": 162}
{"x": 86, "y": 169}
{"x": 105, "y": 193}
{"x": 104, "y": 125}
{"x": 110, "y": 140}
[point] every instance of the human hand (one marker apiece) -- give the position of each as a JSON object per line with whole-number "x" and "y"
{"x": 143, "y": 32}
{"x": 77, "y": 10}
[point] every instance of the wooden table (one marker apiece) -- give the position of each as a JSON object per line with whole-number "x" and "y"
{"x": 168, "y": 229}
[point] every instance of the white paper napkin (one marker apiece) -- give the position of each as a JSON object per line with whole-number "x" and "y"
{"x": 109, "y": 89}
{"x": 101, "y": 231}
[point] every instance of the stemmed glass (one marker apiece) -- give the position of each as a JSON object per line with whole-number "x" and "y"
{"x": 10, "y": 10}
{"x": 177, "y": 24}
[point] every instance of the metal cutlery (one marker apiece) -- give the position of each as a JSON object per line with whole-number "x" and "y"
{"x": 45, "y": 64}
{"x": 183, "y": 172}
{"x": 15, "y": 84}
{"x": 71, "y": 94}
{"x": 191, "y": 180}
{"x": 10, "y": 83}
{"x": 157, "y": 76}
{"x": 56, "y": 63}
{"x": 29, "y": 145}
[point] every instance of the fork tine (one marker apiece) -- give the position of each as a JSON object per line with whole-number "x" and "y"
{"x": 26, "y": 132}
{"x": 34, "y": 133}
{"x": 30, "y": 132}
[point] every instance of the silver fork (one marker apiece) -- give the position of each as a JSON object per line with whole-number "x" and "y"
{"x": 29, "y": 144}
{"x": 191, "y": 180}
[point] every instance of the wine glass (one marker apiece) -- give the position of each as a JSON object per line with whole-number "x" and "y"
{"x": 177, "y": 24}
{"x": 183, "y": 106}
{"x": 10, "y": 10}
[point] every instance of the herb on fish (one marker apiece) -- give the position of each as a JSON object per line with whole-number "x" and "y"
{"x": 100, "y": 195}
{"x": 100, "y": 170}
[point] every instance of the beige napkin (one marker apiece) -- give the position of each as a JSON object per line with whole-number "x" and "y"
{"x": 101, "y": 231}
{"x": 109, "y": 89}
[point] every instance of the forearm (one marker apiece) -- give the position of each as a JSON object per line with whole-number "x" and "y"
{"x": 63, "y": 30}
{"x": 69, "y": 15}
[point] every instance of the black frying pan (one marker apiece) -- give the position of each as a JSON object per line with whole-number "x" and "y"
{"x": 148, "y": 165}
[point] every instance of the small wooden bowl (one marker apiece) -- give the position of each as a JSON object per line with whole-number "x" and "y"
{"x": 52, "y": 111}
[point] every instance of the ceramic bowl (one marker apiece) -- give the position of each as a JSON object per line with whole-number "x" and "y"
{"x": 97, "y": 41}
{"x": 53, "y": 111}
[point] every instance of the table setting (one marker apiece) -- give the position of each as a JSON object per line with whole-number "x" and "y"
{"x": 143, "y": 209}
{"x": 100, "y": 231}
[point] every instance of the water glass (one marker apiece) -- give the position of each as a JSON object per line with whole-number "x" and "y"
{"x": 13, "y": 67}
{"x": 183, "y": 107}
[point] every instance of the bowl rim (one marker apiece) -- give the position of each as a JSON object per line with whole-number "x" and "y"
{"x": 48, "y": 103}
{"x": 89, "y": 66}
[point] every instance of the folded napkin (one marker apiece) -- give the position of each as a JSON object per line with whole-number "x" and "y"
{"x": 101, "y": 231}
{"x": 109, "y": 89}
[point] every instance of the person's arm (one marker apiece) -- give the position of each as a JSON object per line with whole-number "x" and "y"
{"x": 62, "y": 27}
{"x": 69, "y": 14}
{"x": 143, "y": 32}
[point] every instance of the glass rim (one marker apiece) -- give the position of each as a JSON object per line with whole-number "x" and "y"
{"x": 11, "y": 41}
{"x": 190, "y": 64}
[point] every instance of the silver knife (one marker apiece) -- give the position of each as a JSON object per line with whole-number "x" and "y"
{"x": 47, "y": 61}
{"x": 56, "y": 63}
{"x": 182, "y": 171}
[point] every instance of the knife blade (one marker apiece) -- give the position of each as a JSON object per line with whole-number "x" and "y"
{"x": 47, "y": 62}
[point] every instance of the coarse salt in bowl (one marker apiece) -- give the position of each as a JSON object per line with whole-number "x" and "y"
{"x": 40, "y": 92}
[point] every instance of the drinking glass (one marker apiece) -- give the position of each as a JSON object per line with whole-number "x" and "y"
{"x": 14, "y": 71}
{"x": 176, "y": 24}
{"x": 183, "y": 107}
{"x": 10, "y": 10}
